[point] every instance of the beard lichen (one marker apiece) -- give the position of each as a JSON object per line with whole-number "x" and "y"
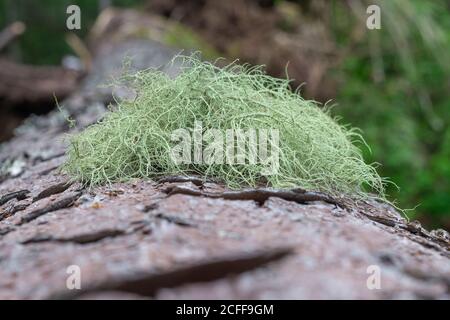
{"x": 135, "y": 140}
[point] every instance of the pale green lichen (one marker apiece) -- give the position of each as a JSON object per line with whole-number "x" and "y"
{"x": 134, "y": 140}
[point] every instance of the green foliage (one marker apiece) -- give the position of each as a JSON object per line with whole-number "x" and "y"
{"x": 396, "y": 90}
{"x": 134, "y": 141}
{"x": 394, "y": 83}
{"x": 43, "y": 41}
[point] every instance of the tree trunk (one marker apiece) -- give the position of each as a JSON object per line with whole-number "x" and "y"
{"x": 133, "y": 240}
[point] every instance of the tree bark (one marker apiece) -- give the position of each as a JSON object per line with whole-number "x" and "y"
{"x": 21, "y": 83}
{"x": 134, "y": 240}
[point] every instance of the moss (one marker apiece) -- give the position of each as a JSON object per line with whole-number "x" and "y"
{"x": 134, "y": 140}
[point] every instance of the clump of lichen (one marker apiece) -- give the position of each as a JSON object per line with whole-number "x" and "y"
{"x": 134, "y": 140}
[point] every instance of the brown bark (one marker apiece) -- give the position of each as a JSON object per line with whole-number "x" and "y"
{"x": 135, "y": 240}
{"x": 21, "y": 83}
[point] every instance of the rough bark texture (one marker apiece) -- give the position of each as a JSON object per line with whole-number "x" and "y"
{"x": 134, "y": 240}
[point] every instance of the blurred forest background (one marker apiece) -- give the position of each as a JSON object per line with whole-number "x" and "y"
{"x": 392, "y": 83}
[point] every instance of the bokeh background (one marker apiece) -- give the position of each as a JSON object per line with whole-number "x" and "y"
{"x": 392, "y": 83}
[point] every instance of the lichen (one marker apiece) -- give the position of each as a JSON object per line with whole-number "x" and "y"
{"x": 134, "y": 140}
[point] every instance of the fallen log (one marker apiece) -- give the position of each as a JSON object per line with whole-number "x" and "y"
{"x": 21, "y": 84}
{"x": 136, "y": 240}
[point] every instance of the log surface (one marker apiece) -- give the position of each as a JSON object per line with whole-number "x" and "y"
{"x": 135, "y": 240}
